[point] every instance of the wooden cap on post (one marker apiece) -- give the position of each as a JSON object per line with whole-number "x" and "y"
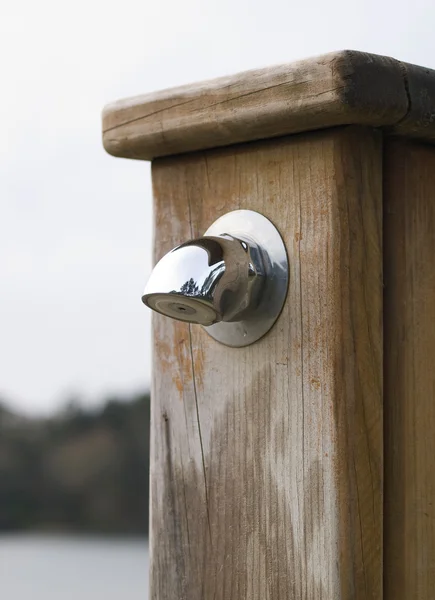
{"x": 340, "y": 88}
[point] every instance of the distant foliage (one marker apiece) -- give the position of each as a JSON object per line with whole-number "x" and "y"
{"x": 82, "y": 470}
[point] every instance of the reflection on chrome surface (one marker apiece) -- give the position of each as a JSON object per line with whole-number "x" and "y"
{"x": 233, "y": 283}
{"x": 207, "y": 280}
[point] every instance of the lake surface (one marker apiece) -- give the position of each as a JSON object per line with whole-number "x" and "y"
{"x": 34, "y": 567}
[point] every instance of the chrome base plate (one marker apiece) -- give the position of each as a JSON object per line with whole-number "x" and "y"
{"x": 250, "y": 225}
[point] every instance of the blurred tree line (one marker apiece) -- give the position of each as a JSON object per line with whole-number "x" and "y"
{"x": 82, "y": 470}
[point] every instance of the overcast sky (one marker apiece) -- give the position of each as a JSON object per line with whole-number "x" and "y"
{"x": 75, "y": 226}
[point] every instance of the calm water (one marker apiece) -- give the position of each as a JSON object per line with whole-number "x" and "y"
{"x": 60, "y": 568}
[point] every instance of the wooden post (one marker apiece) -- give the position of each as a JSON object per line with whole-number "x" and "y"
{"x": 271, "y": 476}
{"x": 409, "y": 370}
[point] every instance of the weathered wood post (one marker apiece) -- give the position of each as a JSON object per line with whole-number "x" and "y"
{"x": 287, "y": 469}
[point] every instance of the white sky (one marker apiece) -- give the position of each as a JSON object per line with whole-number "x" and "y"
{"x": 75, "y": 226}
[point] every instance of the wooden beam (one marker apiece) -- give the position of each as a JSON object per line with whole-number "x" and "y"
{"x": 409, "y": 217}
{"x": 267, "y": 460}
{"x": 340, "y": 88}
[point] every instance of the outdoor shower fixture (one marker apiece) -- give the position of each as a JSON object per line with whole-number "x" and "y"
{"x": 232, "y": 281}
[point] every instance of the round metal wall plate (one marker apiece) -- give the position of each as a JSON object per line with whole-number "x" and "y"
{"x": 250, "y": 225}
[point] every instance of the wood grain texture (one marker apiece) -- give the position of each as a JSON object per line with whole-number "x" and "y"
{"x": 340, "y": 88}
{"x": 409, "y": 308}
{"x": 267, "y": 460}
{"x": 419, "y": 121}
